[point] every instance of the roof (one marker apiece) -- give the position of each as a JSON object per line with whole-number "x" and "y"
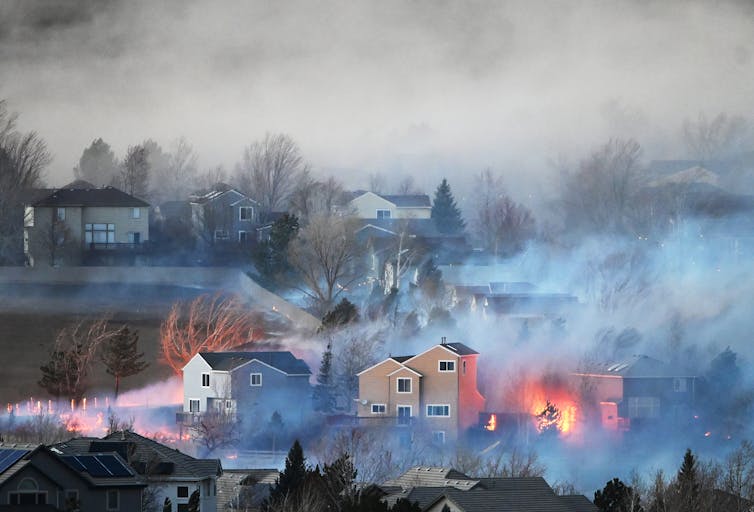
{"x": 385, "y": 228}
{"x": 579, "y": 503}
{"x": 145, "y": 452}
{"x": 640, "y": 366}
{"x": 428, "y": 476}
{"x": 284, "y": 361}
{"x": 459, "y": 348}
{"x": 408, "y": 200}
{"x": 401, "y": 359}
{"x": 233, "y": 480}
{"x": 91, "y": 197}
{"x": 219, "y": 190}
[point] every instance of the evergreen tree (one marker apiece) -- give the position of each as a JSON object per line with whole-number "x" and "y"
{"x": 291, "y": 481}
{"x": 345, "y": 312}
{"x": 445, "y": 212}
{"x": 167, "y": 506}
{"x": 687, "y": 489}
{"x": 324, "y": 399}
{"x": 121, "y": 356}
{"x": 617, "y": 497}
{"x": 194, "y": 503}
{"x": 548, "y": 420}
{"x": 271, "y": 256}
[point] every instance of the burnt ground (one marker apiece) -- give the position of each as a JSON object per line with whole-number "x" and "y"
{"x": 31, "y": 316}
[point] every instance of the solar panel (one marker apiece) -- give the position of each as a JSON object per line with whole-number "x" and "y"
{"x": 8, "y": 457}
{"x": 74, "y": 462}
{"x": 114, "y": 465}
{"x": 93, "y": 466}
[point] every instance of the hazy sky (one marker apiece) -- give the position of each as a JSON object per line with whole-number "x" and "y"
{"x": 415, "y": 86}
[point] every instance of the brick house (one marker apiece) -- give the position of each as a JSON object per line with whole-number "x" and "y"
{"x": 434, "y": 391}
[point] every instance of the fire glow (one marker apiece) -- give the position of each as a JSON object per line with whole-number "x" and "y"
{"x": 492, "y": 424}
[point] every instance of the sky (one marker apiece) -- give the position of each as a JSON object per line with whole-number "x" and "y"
{"x": 431, "y": 88}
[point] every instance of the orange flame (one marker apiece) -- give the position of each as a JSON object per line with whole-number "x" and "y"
{"x": 492, "y": 424}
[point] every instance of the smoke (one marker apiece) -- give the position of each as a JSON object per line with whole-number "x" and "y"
{"x": 426, "y": 88}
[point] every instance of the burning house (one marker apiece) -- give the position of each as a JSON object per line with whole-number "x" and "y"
{"x": 250, "y": 384}
{"x": 434, "y": 391}
{"x": 639, "y": 390}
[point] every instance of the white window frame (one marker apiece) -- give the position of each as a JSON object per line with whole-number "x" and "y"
{"x": 383, "y": 408}
{"x": 398, "y": 385}
{"x": 438, "y": 436}
{"x": 241, "y": 209}
{"x": 136, "y": 213}
{"x": 431, "y": 411}
{"x": 117, "y": 499}
{"x": 246, "y": 238}
{"x": 388, "y": 216}
{"x": 228, "y": 405}
{"x": 448, "y": 363}
{"x": 198, "y": 403}
{"x": 208, "y": 379}
{"x": 60, "y": 213}
{"x": 410, "y": 408}
{"x": 251, "y": 380}
{"x": 98, "y": 228}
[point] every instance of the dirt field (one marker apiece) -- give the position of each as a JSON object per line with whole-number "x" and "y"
{"x": 31, "y": 315}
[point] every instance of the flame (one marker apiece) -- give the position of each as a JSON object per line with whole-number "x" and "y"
{"x": 492, "y": 424}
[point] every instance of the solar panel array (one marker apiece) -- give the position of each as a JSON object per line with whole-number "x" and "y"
{"x": 98, "y": 466}
{"x": 8, "y": 457}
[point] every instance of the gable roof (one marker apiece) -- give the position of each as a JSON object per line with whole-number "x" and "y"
{"x": 429, "y": 476}
{"x": 640, "y": 366}
{"x": 91, "y": 197}
{"x": 218, "y": 191}
{"x": 283, "y": 361}
{"x": 408, "y": 200}
{"x": 579, "y": 503}
{"x": 423, "y": 228}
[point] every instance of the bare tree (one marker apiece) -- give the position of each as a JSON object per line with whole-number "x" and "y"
{"x": 312, "y": 197}
{"x": 215, "y": 430}
{"x": 377, "y": 183}
{"x": 66, "y": 374}
{"x": 134, "y": 176}
{"x": 708, "y": 139}
{"x": 268, "y": 171}
{"x": 407, "y": 186}
{"x": 501, "y": 225}
{"x": 23, "y": 158}
{"x": 600, "y": 196}
{"x": 325, "y": 256}
{"x": 208, "y": 323}
{"x": 207, "y": 180}
{"x": 176, "y": 174}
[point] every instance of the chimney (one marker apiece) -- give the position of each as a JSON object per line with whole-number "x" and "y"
{"x": 442, "y": 340}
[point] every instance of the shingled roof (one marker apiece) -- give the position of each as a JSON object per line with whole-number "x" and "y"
{"x": 408, "y": 200}
{"x": 641, "y": 366}
{"x": 92, "y": 197}
{"x": 283, "y": 361}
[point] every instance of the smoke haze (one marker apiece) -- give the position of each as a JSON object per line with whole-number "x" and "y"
{"x": 427, "y": 88}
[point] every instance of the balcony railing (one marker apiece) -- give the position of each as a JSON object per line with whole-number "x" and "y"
{"x": 113, "y": 246}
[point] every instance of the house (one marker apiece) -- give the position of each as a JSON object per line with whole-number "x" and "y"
{"x": 244, "y": 489}
{"x": 246, "y": 384}
{"x": 41, "y": 476}
{"x": 640, "y": 390}
{"x": 80, "y": 223}
{"x": 368, "y": 205}
{"x": 166, "y": 472}
{"x": 224, "y": 216}
{"x": 435, "y": 488}
{"x": 434, "y": 392}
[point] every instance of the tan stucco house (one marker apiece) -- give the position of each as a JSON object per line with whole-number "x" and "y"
{"x": 434, "y": 392}
{"x": 68, "y": 224}
{"x": 368, "y": 205}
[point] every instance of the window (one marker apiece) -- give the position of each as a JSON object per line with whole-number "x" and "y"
{"x": 229, "y": 404}
{"x": 404, "y": 385}
{"x": 182, "y": 507}
{"x": 243, "y": 236}
{"x": 205, "y": 380}
{"x": 438, "y": 410}
{"x": 245, "y": 213}
{"x": 447, "y": 366}
{"x": 72, "y": 499}
{"x": 182, "y": 491}
{"x": 256, "y": 379}
{"x": 113, "y": 500}
{"x": 383, "y": 214}
{"x": 29, "y": 217}
{"x": 135, "y": 213}
{"x": 679, "y": 385}
{"x": 378, "y": 408}
{"x": 404, "y": 414}
{"x": 438, "y": 437}
{"x": 463, "y": 365}
{"x": 643, "y": 407}
{"x": 193, "y": 405}
{"x": 99, "y": 233}
{"x": 134, "y": 237}
{"x": 61, "y": 213}
{"x": 221, "y": 234}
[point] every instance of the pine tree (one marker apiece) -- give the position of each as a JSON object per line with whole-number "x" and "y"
{"x": 121, "y": 356}
{"x": 194, "y": 502}
{"x": 687, "y": 485}
{"x": 324, "y": 400}
{"x": 291, "y": 481}
{"x": 445, "y": 212}
{"x": 345, "y": 312}
{"x": 617, "y": 497}
{"x": 548, "y": 420}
